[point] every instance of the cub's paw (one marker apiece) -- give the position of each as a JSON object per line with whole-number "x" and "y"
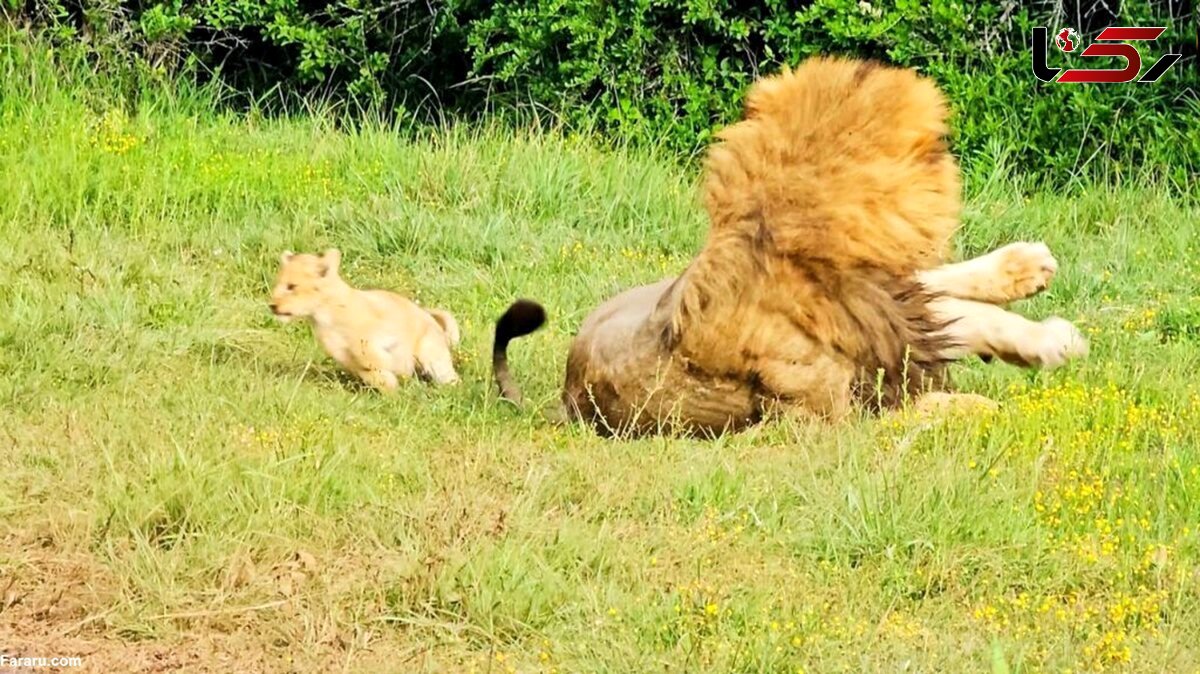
{"x": 1025, "y": 269}
{"x": 1057, "y": 342}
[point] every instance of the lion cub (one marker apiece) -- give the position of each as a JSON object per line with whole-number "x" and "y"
{"x": 377, "y": 335}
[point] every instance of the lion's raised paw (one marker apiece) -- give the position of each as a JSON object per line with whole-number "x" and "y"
{"x": 1027, "y": 268}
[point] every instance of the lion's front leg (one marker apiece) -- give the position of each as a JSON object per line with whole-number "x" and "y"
{"x": 987, "y": 330}
{"x": 1009, "y": 273}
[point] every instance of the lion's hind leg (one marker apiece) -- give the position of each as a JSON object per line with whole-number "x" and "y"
{"x": 935, "y": 406}
{"x": 987, "y": 330}
{"x": 941, "y": 403}
{"x": 1009, "y": 273}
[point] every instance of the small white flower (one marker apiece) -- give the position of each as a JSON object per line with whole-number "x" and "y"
{"x": 869, "y": 9}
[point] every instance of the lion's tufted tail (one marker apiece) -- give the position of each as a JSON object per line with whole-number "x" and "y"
{"x": 520, "y": 319}
{"x": 449, "y": 325}
{"x": 835, "y": 187}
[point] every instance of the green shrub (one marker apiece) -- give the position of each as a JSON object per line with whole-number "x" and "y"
{"x": 670, "y": 71}
{"x": 673, "y": 68}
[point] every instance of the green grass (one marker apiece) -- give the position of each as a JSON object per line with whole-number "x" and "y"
{"x": 183, "y": 475}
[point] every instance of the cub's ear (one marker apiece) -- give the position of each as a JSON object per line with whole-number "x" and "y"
{"x": 331, "y": 261}
{"x": 286, "y": 257}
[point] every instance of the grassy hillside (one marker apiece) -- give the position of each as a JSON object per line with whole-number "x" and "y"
{"x": 189, "y": 484}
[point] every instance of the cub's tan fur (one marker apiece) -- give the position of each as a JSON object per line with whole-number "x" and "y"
{"x": 377, "y": 335}
{"x": 832, "y": 204}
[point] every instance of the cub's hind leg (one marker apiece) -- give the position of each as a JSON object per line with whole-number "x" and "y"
{"x": 1009, "y": 273}
{"x": 376, "y": 366}
{"x": 433, "y": 356}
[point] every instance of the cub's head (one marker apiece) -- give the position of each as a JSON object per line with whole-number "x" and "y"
{"x": 303, "y": 283}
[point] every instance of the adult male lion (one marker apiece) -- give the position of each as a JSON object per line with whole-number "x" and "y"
{"x": 831, "y": 205}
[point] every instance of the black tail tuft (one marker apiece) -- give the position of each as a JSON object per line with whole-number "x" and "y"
{"x": 521, "y": 318}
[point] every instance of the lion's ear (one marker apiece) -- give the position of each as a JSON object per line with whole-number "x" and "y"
{"x": 286, "y": 257}
{"x": 331, "y": 261}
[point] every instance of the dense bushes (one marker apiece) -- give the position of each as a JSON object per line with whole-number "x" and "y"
{"x": 671, "y": 70}
{"x": 672, "y": 67}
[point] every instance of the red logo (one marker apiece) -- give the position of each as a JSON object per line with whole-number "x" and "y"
{"x": 1111, "y": 42}
{"x": 1067, "y": 39}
